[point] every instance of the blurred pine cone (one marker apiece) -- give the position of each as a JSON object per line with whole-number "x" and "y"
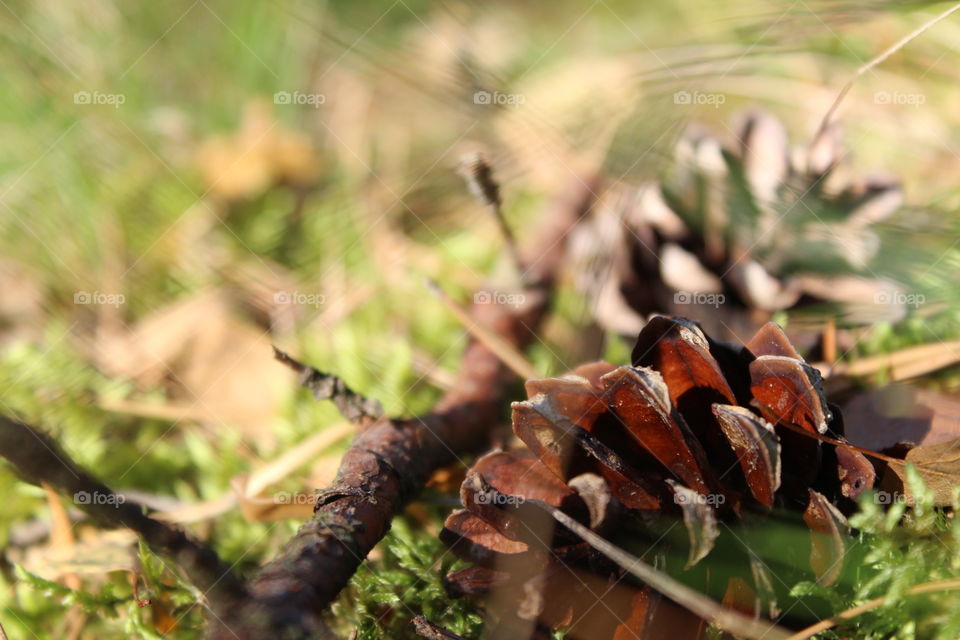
{"x": 732, "y": 234}
{"x": 694, "y": 429}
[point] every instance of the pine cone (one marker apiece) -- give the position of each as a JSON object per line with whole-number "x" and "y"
{"x": 731, "y": 235}
{"x": 694, "y": 429}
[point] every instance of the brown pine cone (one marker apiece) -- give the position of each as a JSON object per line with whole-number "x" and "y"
{"x": 695, "y": 430}
{"x": 734, "y": 232}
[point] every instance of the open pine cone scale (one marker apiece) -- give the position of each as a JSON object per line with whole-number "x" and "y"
{"x": 736, "y": 230}
{"x": 694, "y": 429}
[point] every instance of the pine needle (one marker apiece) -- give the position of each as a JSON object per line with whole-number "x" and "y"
{"x": 727, "y": 619}
{"x": 507, "y": 354}
{"x": 899, "y": 44}
{"x": 853, "y": 612}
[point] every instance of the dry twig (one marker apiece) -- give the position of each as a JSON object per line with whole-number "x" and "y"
{"x": 392, "y": 459}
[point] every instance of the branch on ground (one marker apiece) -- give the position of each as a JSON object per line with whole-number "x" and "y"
{"x": 37, "y": 458}
{"x": 391, "y": 460}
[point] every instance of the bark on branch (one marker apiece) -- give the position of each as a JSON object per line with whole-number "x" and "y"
{"x": 391, "y": 460}
{"x": 37, "y": 458}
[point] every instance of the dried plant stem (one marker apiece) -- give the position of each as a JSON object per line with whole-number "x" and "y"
{"x": 507, "y": 353}
{"x": 509, "y": 239}
{"x": 478, "y": 173}
{"x": 909, "y": 362}
{"x": 899, "y": 44}
{"x": 830, "y": 340}
{"x": 853, "y": 612}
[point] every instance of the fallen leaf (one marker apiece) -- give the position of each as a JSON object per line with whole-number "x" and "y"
{"x": 260, "y": 154}
{"x": 882, "y": 418}
{"x": 937, "y": 464}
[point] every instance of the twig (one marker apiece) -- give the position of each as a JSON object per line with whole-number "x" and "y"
{"x": 899, "y": 44}
{"x": 478, "y": 173}
{"x": 853, "y": 612}
{"x": 38, "y": 459}
{"x": 390, "y": 461}
{"x": 507, "y": 353}
{"x": 829, "y": 338}
{"x": 325, "y": 386}
{"x": 430, "y": 631}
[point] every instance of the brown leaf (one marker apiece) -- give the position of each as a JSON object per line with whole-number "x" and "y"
{"x": 218, "y": 366}
{"x": 827, "y": 534}
{"x": 757, "y": 448}
{"x": 937, "y": 464}
{"x": 881, "y": 418}
{"x": 589, "y": 605}
{"x": 259, "y": 155}
{"x": 692, "y": 600}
